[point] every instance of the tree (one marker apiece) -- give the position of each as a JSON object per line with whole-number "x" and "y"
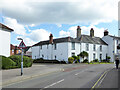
{"x": 83, "y": 54}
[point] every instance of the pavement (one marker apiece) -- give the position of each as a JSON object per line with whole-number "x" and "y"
{"x": 65, "y": 76}
{"x": 14, "y": 75}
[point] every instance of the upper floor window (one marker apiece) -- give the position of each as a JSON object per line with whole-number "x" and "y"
{"x": 87, "y": 47}
{"x": 47, "y": 46}
{"x": 55, "y": 46}
{"x": 41, "y": 47}
{"x": 117, "y": 42}
{"x": 73, "y": 46}
{"x": 94, "y": 47}
{"x": 100, "y": 47}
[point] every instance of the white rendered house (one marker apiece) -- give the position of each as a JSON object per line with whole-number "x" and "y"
{"x": 5, "y": 40}
{"x": 113, "y": 42}
{"x": 63, "y": 48}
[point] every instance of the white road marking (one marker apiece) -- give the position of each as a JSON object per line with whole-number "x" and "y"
{"x": 81, "y": 71}
{"x": 54, "y": 83}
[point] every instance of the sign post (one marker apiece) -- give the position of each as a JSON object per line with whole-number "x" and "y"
{"x": 22, "y": 46}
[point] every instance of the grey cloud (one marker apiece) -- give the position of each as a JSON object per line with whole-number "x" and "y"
{"x": 55, "y": 12}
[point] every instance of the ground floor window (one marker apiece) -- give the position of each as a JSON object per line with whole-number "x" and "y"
{"x": 94, "y": 56}
{"x": 100, "y": 56}
{"x": 73, "y": 54}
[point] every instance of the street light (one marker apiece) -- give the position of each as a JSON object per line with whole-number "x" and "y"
{"x": 21, "y": 59}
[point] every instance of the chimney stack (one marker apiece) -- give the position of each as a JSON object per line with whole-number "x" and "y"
{"x": 92, "y": 32}
{"x": 78, "y": 31}
{"x": 51, "y": 39}
{"x": 106, "y": 32}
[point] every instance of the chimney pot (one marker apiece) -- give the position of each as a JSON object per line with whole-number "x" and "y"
{"x": 106, "y": 32}
{"x": 92, "y": 32}
{"x": 78, "y": 32}
{"x": 51, "y": 39}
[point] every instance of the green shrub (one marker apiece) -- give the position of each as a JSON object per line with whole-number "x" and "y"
{"x": 7, "y": 63}
{"x": 27, "y": 62}
{"x": 70, "y": 60}
{"x": 41, "y": 60}
{"x": 96, "y": 60}
{"x": 85, "y": 61}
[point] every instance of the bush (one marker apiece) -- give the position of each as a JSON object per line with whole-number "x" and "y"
{"x": 96, "y": 60}
{"x": 7, "y": 63}
{"x": 85, "y": 61}
{"x": 27, "y": 62}
{"x": 62, "y": 62}
{"x": 41, "y": 60}
{"x": 70, "y": 60}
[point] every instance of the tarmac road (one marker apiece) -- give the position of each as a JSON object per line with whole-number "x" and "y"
{"x": 75, "y": 77}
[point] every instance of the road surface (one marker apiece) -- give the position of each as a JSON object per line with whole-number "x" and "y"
{"x": 74, "y": 76}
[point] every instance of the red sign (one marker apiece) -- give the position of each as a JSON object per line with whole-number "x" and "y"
{"x": 22, "y": 45}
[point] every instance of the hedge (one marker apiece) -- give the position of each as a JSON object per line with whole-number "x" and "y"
{"x": 27, "y": 62}
{"x": 7, "y": 63}
{"x": 41, "y": 60}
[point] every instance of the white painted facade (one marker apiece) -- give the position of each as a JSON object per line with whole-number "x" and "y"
{"x": 112, "y": 46}
{"x": 4, "y": 42}
{"x": 64, "y": 51}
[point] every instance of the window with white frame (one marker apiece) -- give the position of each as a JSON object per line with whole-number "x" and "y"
{"x": 94, "y": 56}
{"x": 41, "y": 46}
{"x": 47, "y": 46}
{"x": 100, "y": 56}
{"x": 55, "y": 46}
{"x": 73, "y": 46}
{"x": 73, "y": 54}
{"x": 94, "y": 47}
{"x": 100, "y": 47}
{"x": 87, "y": 47}
{"x": 12, "y": 50}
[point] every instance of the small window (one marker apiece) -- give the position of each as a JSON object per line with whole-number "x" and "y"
{"x": 73, "y": 54}
{"x": 55, "y": 46}
{"x": 19, "y": 51}
{"x": 100, "y": 56}
{"x": 87, "y": 47}
{"x": 94, "y": 47}
{"x": 12, "y": 50}
{"x": 100, "y": 47}
{"x": 117, "y": 42}
{"x": 47, "y": 46}
{"x": 94, "y": 56}
{"x": 41, "y": 47}
{"x": 42, "y": 56}
{"x": 55, "y": 57}
{"x": 73, "y": 46}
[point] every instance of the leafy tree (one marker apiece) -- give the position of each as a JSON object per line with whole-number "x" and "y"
{"x": 83, "y": 54}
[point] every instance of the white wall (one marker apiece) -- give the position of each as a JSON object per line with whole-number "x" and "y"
{"x": 97, "y": 52}
{"x": 64, "y": 51}
{"x": 112, "y": 46}
{"x": 61, "y": 51}
{"x": 4, "y": 43}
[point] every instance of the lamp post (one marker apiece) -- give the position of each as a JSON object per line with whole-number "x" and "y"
{"x": 21, "y": 59}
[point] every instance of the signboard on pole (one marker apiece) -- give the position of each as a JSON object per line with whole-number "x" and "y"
{"x": 22, "y": 45}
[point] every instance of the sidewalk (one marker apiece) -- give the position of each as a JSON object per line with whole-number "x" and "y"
{"x": 14, "y": 75}
{"x": 112, "y": 79}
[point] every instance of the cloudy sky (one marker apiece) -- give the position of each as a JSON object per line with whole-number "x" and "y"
{"x": 34, "y": 20}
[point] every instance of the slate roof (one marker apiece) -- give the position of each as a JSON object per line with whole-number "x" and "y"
{"x": 4, "y": 27}
{"x": 58, "y": 40}
{"x": 114, "y": 37}
{"x": 82, "y": 39}
{"x": 92, "y": 40}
